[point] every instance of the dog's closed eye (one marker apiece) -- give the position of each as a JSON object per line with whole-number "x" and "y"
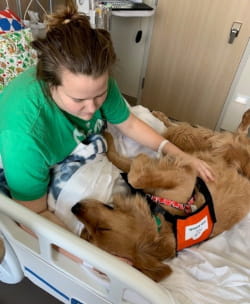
{"x": 108, "y": 206}
{"x": 103, "y": 228}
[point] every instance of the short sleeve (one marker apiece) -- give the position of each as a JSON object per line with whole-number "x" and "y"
{"x": 115, "y": 108}
{"x": 24, "y": 166}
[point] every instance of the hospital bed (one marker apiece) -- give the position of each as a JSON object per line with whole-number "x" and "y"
{"x": 74, "y": 271}
{"x": 36, "y": 257}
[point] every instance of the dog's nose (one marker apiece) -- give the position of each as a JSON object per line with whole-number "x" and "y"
{"x": 76, "y": 208}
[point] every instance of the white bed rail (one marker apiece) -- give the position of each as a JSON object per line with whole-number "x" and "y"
{"x": 68, "y": 280}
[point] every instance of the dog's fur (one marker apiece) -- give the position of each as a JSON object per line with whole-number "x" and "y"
{"x": 233, "y": 147}
{"x": 128, "y": 230}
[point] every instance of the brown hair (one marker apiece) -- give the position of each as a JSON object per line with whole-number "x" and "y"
{"x": 72, "y": 43}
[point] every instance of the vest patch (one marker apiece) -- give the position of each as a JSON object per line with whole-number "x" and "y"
{"x": 195, "y": 228}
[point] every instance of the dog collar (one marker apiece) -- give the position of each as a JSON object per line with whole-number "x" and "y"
{"x": 155, "y": 202}
{"x": 187, "y": 207}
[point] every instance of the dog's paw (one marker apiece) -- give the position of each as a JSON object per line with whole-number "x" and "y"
{"x": 135, "y": 180}
{"x": 162, "y": 117}
{"x": 139, "y": 163}
{"x": 245, "y": 123}
{"x": 139, "y": 171}
{"x": 109, "y": 138}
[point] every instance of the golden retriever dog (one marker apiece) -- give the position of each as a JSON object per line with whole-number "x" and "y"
{"x": 130, "y": 228}
{"x": 233, "y": 147}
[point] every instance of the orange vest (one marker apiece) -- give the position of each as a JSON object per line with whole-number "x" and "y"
{"x": 196, "y": 227}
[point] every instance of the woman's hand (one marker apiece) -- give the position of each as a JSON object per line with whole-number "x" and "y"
{"x": 203, "y": 169}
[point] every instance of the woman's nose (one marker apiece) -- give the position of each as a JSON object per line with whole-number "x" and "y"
{"x": 91, "y": 106}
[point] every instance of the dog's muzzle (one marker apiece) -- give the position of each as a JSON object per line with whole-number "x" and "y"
{"x": 76, "y": 208}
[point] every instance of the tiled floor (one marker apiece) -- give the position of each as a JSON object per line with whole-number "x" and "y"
{"x": 24, "y": 293}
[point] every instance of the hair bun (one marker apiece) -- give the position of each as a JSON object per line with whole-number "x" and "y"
{"x": 64, "y": 16}
{"x": 66, "y": 21}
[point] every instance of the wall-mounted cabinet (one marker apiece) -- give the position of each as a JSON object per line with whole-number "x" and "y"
{"x": 131, "y": 38}
{"x": 131, "y": 34}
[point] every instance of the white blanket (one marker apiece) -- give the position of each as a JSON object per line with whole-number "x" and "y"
{"x": 129, "y": 147}
{"x": 215, "y": 272}
{"x": 86, "y": 173}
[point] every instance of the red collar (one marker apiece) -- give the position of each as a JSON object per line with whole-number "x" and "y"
{"x": 188, "y": 207}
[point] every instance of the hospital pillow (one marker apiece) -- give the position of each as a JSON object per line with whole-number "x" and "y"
{"x": 9, "y": 22}
{"x": 16, "y": 55}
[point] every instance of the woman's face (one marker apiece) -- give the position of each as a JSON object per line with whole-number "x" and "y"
{"x": 80, "y": 95}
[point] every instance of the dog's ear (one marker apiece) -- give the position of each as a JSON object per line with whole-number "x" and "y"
{"x": 147, "y": 257}
{"x": 151, "y": 267}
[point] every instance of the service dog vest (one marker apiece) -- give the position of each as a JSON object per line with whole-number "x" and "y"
{"x": 189, "y": 229}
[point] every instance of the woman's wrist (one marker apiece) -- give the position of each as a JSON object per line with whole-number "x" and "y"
{"x": 161, "y": 147}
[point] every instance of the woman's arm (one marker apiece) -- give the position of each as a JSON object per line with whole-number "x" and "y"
{"x": 145, "y": 135}
{"x": 39, "y": 205}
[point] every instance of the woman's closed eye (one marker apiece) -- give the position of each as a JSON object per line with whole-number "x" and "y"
{"x": 83, "y": 99}
{"x": 78, "y": 99}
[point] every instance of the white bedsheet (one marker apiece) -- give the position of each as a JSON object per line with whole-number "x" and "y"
{"x": 215, "y": 272}
{"x": 129, "y": 147}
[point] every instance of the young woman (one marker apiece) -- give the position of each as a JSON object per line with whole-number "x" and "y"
{"x": 48, "y": 109}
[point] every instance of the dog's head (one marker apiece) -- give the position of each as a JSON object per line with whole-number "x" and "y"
{"x": 126, "y": 229}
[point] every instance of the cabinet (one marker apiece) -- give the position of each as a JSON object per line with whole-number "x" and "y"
{"x": 131, "y": 38}
{"x": 131, "y": 34}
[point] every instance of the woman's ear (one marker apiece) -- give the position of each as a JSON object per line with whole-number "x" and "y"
{"x": 151, "y": 267}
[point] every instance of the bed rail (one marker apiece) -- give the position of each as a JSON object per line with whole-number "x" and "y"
{"x": 68, "y": 280}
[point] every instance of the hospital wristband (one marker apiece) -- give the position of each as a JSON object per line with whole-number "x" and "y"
{"x": 161, "y": 146}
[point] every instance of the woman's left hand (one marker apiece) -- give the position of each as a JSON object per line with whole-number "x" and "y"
{"x": 203, "y": 169}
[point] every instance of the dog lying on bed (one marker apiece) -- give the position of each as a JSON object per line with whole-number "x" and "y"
{"x": 131, "y": 228}
{"x": 233, "y": 147}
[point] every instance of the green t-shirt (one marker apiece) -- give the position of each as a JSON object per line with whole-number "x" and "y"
{"x": 35, "y": 134}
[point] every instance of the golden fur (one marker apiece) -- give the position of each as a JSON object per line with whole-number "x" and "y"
{"x": 128, "y": 230}
{"x": 233, "y": 147}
